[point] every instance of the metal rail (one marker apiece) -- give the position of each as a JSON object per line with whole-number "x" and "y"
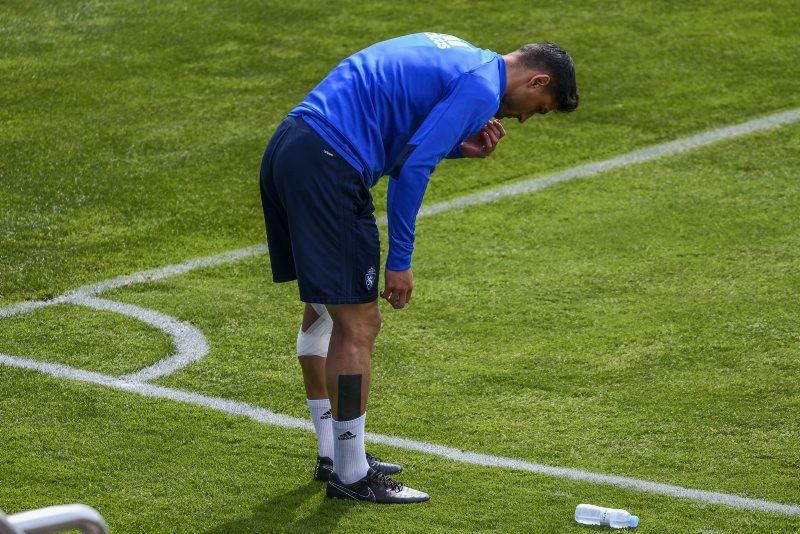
{"x": 54, "y": 519}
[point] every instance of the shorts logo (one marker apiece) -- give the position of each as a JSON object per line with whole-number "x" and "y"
{"x": 369, "y": 278}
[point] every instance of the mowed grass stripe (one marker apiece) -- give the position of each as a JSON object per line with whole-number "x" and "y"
{"x": 447, "y": 452}
{"x": 526, "y": 186}
{"x": 266, "y": 416}
{"x": 490, "y": 320}
{"x": 132, "y": 136}
{"x": 678, "y": 180}
{"x": 155, "y": 466}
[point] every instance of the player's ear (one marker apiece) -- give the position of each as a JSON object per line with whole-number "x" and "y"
{"x": 539, "y": 80}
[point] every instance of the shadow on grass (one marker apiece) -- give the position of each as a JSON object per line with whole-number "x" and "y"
{"x": 281, "y": 513}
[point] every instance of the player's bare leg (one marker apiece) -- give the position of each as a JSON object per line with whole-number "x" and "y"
{"x": 312, "y": 349}
{"x": 348, "y": 374}
{"x": 313, "y": 366}
{"x": 355, "y": 328}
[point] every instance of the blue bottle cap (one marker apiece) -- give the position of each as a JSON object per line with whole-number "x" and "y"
{"x": 633, "y": 521}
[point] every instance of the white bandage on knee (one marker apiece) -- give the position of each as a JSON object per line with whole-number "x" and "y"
{"x": 314, "y": 341}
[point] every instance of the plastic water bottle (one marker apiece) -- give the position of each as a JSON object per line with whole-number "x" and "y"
{"x": 589, "y": 514}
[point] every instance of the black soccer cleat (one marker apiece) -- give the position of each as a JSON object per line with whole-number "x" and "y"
{"x": 384, "y": 467}
{"x": 324, "y": 467}
{"x": 374, "y": 487}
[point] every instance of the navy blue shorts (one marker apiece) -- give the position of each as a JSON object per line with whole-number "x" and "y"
{"x": 320, "y": 218}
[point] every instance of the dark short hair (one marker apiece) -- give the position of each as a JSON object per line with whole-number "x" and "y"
{"x": 555, "y": 61}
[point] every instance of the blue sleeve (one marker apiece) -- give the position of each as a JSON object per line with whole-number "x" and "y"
{"x": 467, "y": 107}
{"x": 456, "y": 152}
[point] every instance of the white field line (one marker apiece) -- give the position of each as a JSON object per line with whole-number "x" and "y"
{"x": 266, "y": 416}
{"x": 631, "y": 158}
{"x": 190, "y": 342}
{"x": 187, "y": 344}
{"x": 135, "y": 278}
{"x": 172, "y": 270}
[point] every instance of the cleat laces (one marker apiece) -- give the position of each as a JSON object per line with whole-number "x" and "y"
{"x": 383, "y": 480}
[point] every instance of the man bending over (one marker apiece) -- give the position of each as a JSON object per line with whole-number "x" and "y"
{"x": 394, "y": 109}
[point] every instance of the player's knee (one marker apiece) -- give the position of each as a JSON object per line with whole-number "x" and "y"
{"x": 373, "y": 322}
{"x": 362, "y": 327}
{"x": 314, "y": 340}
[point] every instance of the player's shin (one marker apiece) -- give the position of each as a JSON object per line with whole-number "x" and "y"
{"x": 350, "y": 463}
{"x": 312, "y": 349}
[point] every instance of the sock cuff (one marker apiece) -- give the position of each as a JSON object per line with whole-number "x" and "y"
{"x": 351, "y": 423}
{"x": 319, "y": 403}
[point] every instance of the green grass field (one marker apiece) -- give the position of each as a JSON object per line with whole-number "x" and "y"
{"x": 641, "y": 323}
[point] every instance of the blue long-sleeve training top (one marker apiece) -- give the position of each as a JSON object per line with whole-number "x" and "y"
{"x": 398, "y": 108}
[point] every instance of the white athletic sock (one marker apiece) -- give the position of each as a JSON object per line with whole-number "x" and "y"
{"x": 321, "y": 417}
{"x": 349, "y": 458}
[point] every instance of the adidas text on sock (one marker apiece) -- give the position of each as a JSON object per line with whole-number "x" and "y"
{"x": 349, "y": 457}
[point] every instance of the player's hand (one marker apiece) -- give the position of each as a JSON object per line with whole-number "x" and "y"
{"x": 399, "y": 285}
{"x": 483, "y": 143}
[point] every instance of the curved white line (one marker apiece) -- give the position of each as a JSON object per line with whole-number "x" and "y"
{"x": 172, "y": 270}
{"x": 135, "y": 278}
{"x": 29, "y": 306}
{"x": 190, "y": 343}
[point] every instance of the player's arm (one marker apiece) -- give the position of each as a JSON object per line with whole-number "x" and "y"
{"x": 468, "y": 105}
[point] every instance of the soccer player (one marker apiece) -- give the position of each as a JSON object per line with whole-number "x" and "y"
{"x": 396, "y": 108}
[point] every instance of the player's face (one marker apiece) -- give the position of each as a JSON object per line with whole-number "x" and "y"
{"x": 534, "y": 98}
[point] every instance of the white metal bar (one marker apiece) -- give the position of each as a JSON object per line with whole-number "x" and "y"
{"x": 59, "y": 518}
